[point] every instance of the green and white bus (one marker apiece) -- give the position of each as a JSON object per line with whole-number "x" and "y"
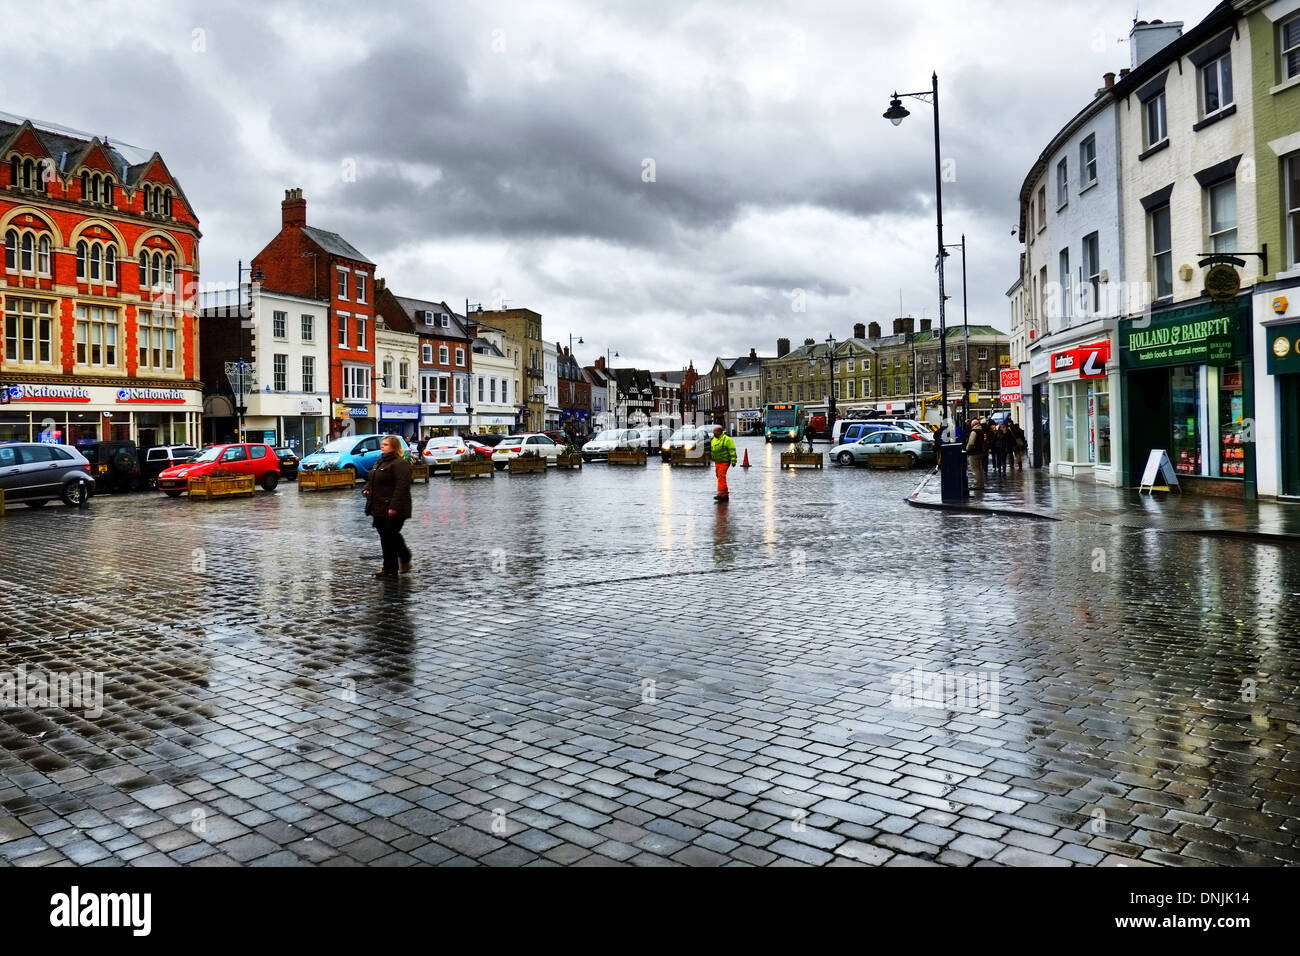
{"x": 784, "y": 421}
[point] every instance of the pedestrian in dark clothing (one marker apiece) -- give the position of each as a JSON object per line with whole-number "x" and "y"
{"x": 1000, "y": 444}
{"x": 977, "y": 451}
{"x": 1019, "y": 445}
{"x": 388, "y": 502}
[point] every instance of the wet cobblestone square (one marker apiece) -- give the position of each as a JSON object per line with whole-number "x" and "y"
{"x": 605, "y": 667}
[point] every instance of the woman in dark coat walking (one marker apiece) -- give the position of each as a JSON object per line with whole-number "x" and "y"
{"x": 388, "y": 502}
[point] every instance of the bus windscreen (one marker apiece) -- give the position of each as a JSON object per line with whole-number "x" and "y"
{"x": 781, "y": 417}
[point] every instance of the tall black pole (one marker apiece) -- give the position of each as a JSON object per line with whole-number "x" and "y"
{"x": 938, "y": 205}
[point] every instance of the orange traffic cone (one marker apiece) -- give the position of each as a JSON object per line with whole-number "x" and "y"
{"x": 745, "y": 463}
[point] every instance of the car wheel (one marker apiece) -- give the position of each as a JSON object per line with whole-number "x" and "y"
{"x": 911, "y": 459}
{"x": 35, "y": 504}
{"x": 845, "y": 458}
{"x": 69, "y": 495}
{"x": 172, "y": 494}
{"x": 270, "y": 480}
{"x": 500, "y": 465}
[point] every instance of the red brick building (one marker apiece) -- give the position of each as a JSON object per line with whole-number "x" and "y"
{"x": 99, "y": 272}
{"x": 446, "y": 360}
{"x": 314, "y": 264}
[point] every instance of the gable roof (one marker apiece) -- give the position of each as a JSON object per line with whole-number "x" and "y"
{"x": 67, "y": 146}
{"x": 334, "y": 244}
{"x": 411, "y": 307}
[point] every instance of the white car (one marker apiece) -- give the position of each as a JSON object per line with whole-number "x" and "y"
{"x": 695, "y": 439}
{"x": 604, "y": 442}
{"x": 516, "y": 445}
{"x": 883, "y": 443}
{"x": 440, "y": 452}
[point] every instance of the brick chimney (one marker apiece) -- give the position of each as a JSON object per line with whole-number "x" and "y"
{"x": 782, "y": 347}
{"x": 859, "y": 331}
{"x": 753, "y": 354}
{"x": 909, "y": 324}
{"x": 293, "y": 211}
{"x": 874, "y": 329}
{"x": 600, "y": 362}
{"x": 898, "y": 326}
{"x": 809, "y": 341}
{"x": 925, "y": 324}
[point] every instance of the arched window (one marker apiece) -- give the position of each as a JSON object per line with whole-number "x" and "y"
{"x": 43, "y": 256}
{"x": 81, "y": 260}
{"x": 108, "y": 190}
{"x": 144, "y": 269}
{"x": 28, "y": 249}
{"x": 13, "y": 170}
{"x": 27, "y": 174}
{"x": 156, "y": 272}
{"x": 96, "y": 258}
{"x": 85, "y": 184}
{"x": 167, "y": 203}
{"x": 169, "y": 272}
{"x": 11, "y": 250}
{"x": 40, "y": 175}
{"x": 110, "y": 264}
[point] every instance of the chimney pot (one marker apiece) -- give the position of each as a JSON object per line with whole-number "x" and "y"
{"x": 1110, "y": 79}
{"x": 293, "y": 211}
{"x": 753, "y": 354}
{"x": 809, "y": 341}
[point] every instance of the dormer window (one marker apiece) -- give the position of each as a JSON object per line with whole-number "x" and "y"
{"x": 96, "y": 188}
{"x": 27, "y": 174}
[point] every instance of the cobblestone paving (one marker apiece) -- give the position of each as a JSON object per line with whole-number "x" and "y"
{"x": 606, "y": 667}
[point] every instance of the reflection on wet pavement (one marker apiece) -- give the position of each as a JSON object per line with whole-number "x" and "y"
{"x": 607, "y": 666}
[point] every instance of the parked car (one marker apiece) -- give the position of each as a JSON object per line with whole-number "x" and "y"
{"x": 605, "y": 441}
{"x": 491, "y": 439}
{"x": 154, "y": 461}
{"x": 35, "y": 472}
{"x": 891, "y": 442}
{"x": 115, "y": 465}
{"x": 518, "y": 444}
{"x": 480, "y": 448}
{"x": 441, "y": 451}
{"x": 694, "y": 439}
{"x": 358, "y": 452}
{"x": 652, "y": 437}
{"x": 288, "y": 463}
{"x": 847, "y": 432}
{"x": 260, "y": 461}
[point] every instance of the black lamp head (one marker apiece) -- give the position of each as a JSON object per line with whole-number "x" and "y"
{"x": 897, "y": 112}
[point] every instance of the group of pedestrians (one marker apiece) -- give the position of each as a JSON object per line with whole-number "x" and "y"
{"x": 1004, "y": 443}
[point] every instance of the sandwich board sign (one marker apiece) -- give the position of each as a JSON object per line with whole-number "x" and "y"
{"x": 1158, "y": 465}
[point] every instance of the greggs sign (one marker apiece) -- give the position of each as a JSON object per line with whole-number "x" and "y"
{"x": 1090, "y": 359}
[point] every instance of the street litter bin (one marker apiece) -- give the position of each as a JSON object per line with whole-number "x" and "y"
{"x": 952, "y": 473}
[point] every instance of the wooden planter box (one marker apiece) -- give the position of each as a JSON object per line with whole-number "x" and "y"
{"x": 222, "y": 486}
{"x": 679, "y": 458}
{"x": 324, "y": 480}
{"x": 471, "y": 468}
{"x": 420, "y": 471}
{"x": 519, "y": 464}
{"x": 568, "y": 461}
{"x": 889, "y": 461}
{"x": 796, "y": 459}
{"x": 2, "y": 502}
{"x": 627, "y": 456}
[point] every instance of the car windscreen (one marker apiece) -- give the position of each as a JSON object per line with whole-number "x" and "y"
{"x": 208, "y": 454}
{"x": 608, "y": 434}
{"x": 338, "y": 445}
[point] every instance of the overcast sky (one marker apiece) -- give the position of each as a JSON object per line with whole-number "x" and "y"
{"x": 659, "y": 178}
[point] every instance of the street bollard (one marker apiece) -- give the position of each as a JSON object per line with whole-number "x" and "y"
{"x": 952, "y": 473}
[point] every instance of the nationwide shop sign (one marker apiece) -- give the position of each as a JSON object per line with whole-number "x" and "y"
{"x": 153, "y": 396}
{"x": 1010, "y": 385}
{"x": 1090, "y": 360}
{"x": 49, "y": 393}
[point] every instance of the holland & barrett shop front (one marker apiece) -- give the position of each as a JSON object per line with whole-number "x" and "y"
{"x": 1188, "y": 390}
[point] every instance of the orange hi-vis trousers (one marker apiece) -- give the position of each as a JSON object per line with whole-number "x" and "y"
{"x": 720, "y": 469}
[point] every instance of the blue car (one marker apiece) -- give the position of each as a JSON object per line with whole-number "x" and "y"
{"x": 358, "y": 452}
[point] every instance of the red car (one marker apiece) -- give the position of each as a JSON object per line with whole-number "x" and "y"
{"x": 260, "y": 461}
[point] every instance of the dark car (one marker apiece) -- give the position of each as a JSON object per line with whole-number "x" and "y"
{"x": 115, "y": 465}
{"x": 35, "y": 472}
{"x": 288, "y": 463}
{"x": 160, "y": 457}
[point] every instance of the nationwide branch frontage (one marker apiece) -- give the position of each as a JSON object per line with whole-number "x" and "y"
{"x": 71, "y": 414}
{"x": 1189, "y": 390}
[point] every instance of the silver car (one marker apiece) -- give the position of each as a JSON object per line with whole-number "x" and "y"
{"x": 885, "y": 442}
{"x": 35, "y": 472}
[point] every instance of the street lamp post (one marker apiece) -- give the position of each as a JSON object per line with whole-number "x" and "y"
{"x": 967, "y": 384}
{"x": 896, "y": 114}
{"x": 830, "y": 401}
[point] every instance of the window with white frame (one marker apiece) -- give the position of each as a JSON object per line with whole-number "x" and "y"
{"x": 460, "y": 357}
{"x": 1216, "y": 85}
{"x": 442, "y": 355}
{"x": 1162, "y": 255}
{"x": 26, "y": 253}
{"x": 1092, "y": 271}
{"x": 1042, "y": 208}
{"x": 1062, "y": 183}
{"x": 356, "y": 383}
{"x": 309, "y": 373}
{"x": 442, "y": 390}
{"x": 1154, "y": 122}
{"x": 343, "y": 330}
{"x": 404, "y": 375}
{"x": 29, "y": 326}
{"x": 156, "y": 340}
{"x": 1289, "y": 41}
{"x": 428, "y": 389}
{"x": 480, "y": 389}
{"x": 426, "y": 353}
{"x": 361, "y": 332}
{"x": 983, "y": 354}
{"x": 849, "y": 389}
{"x": 279, "y": 325}
{"x": 1222, "y": 202}
{"x": 504, "y": 390}
{"x": 280, "y": 373}
{"x": 1291, "y": 168}
{"x": 1063, "y": 270}
{"x": 96, "y": 336}
{"x": 361, "y": 287}
{"x": 459, "y": 389}
{"x": 388, "y": 373}
{"x": 343, "y": 284}
{"x": 1088, "y": 161}
{"x": 96, "y": 261}
{"x": 308, "y": 328}
{"x": 492, "y": 389}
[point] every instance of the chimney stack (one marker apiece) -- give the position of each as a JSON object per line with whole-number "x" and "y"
{"x": 753, "y": 355}
{"x": 898, "y": 326}
{"x": 859, "y": 331}
{"x": 909, "y": 324}
{"x": 1145, "y": 40}
{"x": 782, "y": 347}
{"x": 600, "y": 362}
{"x": 874, "y": 329}
{"x": 293, "y": 211}
{"x": 381, "y": 285}
{"x": 809, "y": 341}
{"x": 925, "y": 324}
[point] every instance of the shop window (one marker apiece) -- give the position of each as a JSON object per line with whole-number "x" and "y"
{"x": 1232, "y": 435}
{"x": 1188, "y": 451}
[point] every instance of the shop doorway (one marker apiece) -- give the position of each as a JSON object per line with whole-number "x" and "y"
{"x": 1289, "y": 439}
{"x": 1149, "y": 417}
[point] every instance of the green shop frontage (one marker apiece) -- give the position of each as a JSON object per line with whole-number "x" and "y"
{"x": 1188, "y": 389}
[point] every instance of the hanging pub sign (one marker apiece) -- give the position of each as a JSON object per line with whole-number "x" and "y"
{"x": 1222, "y": 283}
